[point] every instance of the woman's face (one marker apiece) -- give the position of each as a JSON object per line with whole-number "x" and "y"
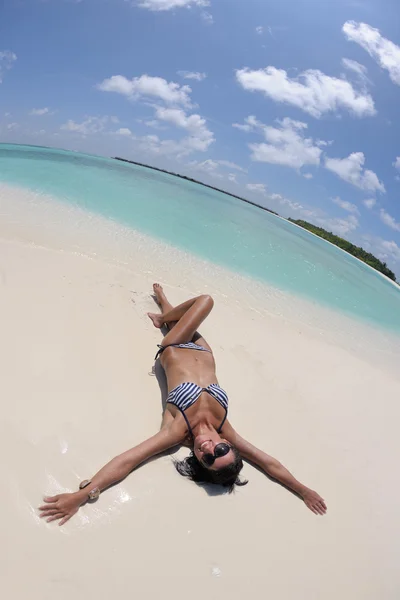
{"x": 205, "y": 444}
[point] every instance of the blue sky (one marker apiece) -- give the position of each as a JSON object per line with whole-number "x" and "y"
{"x": 289, "y": 103}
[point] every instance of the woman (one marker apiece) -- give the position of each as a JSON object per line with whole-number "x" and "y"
{"x": 195, "y": 415}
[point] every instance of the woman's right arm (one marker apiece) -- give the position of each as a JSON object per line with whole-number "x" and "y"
{"x": 64, "y": 506}
{"x": 275, "y": 469}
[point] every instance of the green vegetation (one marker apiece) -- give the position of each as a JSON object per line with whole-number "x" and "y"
{"x": 356, "y": 251}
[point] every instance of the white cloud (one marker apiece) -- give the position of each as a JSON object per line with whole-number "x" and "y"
{"x": 39, "y": 112}
{"x": 231, "y": 165}
{"x": 348, "y": 206}
{"x": 286, "y": 144}
{"x": 89, "y": 126}
{"x": 7, "y": 60}
{"x": 212, "y": 167}
{"x": 260, "y": 30}
{"x": 152, "y": 123}
{"x": 307, "y": 175}
{"x": 192, "y": 75}
{"x": 198, "y": 140}
{"x": 389, "y": 250}
{"x": 242, "y": 127}
{"x": 285, "y": 201}
{"x": 357, "y": 68}
{"x": 146, "y": 86}
{"x": 12, "y": 126}
{"x": 369, "y": 203}
{"x": 396, "y": 163}
{"x": 312, "y": 91}
{"x": 208, "y": 166}
{"x": 338, "y": 226}
{"x": 383, "y": 249}
{"x": 382, "y": 50}
{"x": 259, "y": 188}
{"x": 351, "y": 169}
{"x": 200, "y": 137}
{"x": 160, "y": 5}
{"x": 207, "y": 17}
{"x": 389, "y": 220}
{"x": 124, "y": 131}
{"x": 152, "y": 144}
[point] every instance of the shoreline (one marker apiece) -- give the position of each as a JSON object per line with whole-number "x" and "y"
{"x": 198, "y": 182}
{"x": 95, "y": 237}
{"x": 288, "y": 220}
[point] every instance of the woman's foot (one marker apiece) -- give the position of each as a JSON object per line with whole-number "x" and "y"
{"x": 159, "y": 293}
{"x": 164, "y": 304}
{"x": 157, "y": 320}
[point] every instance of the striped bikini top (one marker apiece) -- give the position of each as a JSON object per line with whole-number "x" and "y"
{"x": 186, "y": 394}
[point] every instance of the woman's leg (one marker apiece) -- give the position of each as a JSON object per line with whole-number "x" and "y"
{"x": 163, "y": 303}
{"x": 166, "y": 306}
{"x": 189, "y": 315}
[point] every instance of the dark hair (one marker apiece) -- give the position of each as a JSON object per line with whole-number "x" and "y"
{"x": 227, "y": 476}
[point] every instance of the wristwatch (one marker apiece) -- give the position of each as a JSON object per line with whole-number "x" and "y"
{"x": 94, "y": 493}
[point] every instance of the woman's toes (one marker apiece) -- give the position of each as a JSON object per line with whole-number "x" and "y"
{"x": 157, "y": 288}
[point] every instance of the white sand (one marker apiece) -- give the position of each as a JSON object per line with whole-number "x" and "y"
{"x": 76, "y": 351}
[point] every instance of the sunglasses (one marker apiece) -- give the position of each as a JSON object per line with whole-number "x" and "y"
{"x": 221, "y": 449}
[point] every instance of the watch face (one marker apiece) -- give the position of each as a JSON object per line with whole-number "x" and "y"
{"x": 94, "y": 494}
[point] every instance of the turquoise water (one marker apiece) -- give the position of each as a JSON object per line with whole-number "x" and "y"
{"x": 209, "y": 224}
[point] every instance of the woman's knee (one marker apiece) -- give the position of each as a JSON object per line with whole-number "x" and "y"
{"x": 207, "y": 300}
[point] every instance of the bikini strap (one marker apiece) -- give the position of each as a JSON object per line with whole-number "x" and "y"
{"x": 186, "y": 419}
{"x": 160, "y": 351}
{"x": 162, "y": 348}
{"x": 223, "y": 421}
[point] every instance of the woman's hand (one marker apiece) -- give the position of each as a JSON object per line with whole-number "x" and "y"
{"x": 314, "y": 502}
{"x": 61, "y": 507}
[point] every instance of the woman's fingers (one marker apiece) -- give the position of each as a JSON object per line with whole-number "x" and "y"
{"x": 54, "y": 517}
{"x": 48, "y": 506}
{"x": 50, "y": 498}
{"x": 65, "y": 519}
{"x": 320, "y": 508}
{"x": 48, "y": 513}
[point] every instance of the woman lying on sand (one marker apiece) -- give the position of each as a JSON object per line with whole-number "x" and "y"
{"x": 195, "y": 416}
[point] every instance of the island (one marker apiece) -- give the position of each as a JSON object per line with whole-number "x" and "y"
{"x": 132, "y": 162}
{"x": 356, "y": 251}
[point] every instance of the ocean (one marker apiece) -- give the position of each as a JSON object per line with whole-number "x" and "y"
{"x": 208, "y": 224}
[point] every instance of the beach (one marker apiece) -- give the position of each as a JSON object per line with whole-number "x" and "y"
{"x": 77, "y": 354}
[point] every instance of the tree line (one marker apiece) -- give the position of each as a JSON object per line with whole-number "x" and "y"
{"x": 356, "y": 251}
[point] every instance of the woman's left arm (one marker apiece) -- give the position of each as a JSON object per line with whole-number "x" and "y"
{"x": 272, "y": 467}
{"x": 64, "y": 506}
